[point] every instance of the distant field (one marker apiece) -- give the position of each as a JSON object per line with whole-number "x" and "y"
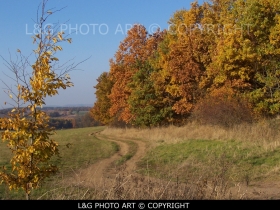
{"x": 84, "y": 149}
{"x": 81, "y": 113}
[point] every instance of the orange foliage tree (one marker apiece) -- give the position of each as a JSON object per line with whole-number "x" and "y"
{"x": 136, "y": 47}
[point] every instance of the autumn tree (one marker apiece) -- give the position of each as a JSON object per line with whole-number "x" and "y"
{"x": 134, "y": 48}
{"x": 262, "y": 43}
{"x": 182, "y": 60}
{"x": 247, "y": 57}
{"x": 144, "y": 102}
{"x": 26, "y": 130}
{"x": 183, "y": 65}
{"x": 163, "y": 102}
{"x": 100, "y": 109}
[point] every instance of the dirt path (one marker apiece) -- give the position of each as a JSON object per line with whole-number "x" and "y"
{"x": 105, "y": 173}
{"x": 131, "y": 163}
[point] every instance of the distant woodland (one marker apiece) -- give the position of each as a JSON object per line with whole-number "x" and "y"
{"x": 218, "y": 63}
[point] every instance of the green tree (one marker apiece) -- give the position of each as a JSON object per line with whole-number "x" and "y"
{"x": 144, "y": 103}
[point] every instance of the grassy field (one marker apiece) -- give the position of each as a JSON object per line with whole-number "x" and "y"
{"x": 244, "y": 154}
{"x": 248, "y": 152}
{"x": 243, "y": 162}
{"x": 84, "y": 149}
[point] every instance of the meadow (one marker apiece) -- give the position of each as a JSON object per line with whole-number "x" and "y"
{"x": 245, "y": 154}
{"x": 78, "y": 149}
{"x": 188, "y": 162}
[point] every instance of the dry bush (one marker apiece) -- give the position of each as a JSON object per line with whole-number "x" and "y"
{"x": 225, "y": 111}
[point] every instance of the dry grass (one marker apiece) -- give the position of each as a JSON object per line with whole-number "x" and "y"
{"x": 263, "y": 134}
{"x": 126, "y": 186}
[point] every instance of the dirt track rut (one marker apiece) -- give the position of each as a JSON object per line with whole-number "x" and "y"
{"x": 105, "y": 170}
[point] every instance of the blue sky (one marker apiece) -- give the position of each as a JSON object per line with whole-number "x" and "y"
{"x": 97, "y": 27}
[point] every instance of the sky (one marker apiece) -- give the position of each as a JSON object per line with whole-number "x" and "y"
{"x": 96, "y": 27}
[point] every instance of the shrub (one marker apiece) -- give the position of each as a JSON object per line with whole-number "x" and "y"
{"x": 223, "y": 109}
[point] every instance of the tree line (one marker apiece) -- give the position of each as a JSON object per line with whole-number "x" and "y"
{"x": 221, "y": 56}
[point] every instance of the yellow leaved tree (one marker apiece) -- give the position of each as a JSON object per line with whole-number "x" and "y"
{"x": 26, "y": 129}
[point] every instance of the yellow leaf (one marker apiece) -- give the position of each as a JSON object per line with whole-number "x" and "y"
{"x": 69, "y": 40}
{"x": 54, "y": 59}
{"x": 54, "y": 40}
{"x": 58, "y": 47}
{"x": 59, "y": 36}
{"x": 11, "y": 96}
{"x": 18, "y": 50}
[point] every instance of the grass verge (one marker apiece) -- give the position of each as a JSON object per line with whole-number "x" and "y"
{"x": 78, "y": 148}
